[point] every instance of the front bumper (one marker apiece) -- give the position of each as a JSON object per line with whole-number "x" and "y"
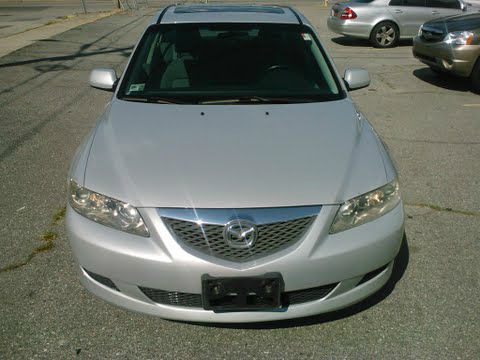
{"x": 455, "y": 59}
{"x": 158, "y": 262}
{"x": 354, "y": 28}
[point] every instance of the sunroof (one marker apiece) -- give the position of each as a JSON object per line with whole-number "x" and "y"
{"x": 228, "y": 8}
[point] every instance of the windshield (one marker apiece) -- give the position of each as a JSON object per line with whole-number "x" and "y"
{"x": 219, "y": 63}
{"x": 462, "y": 23}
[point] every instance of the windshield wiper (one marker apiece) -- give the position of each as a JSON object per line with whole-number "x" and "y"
{"x": 152, "y": 99}
{"x": 257, "y": 99}
{"x": 219, "y": 101}
{"x": 236, "y": 100}
{"x": 290, "y": 99}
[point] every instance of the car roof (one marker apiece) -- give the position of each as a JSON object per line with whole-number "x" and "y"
{"x": 206, "y": 13}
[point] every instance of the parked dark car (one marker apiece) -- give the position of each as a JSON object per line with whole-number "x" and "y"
{"x": 451, "y": 44}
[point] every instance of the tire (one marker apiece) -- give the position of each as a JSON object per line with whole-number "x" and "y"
{"x": 475, "y": 77}
{"x": 385, "y": 35}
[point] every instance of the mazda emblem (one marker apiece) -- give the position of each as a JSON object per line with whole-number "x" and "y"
{"x": 240, "y": 234}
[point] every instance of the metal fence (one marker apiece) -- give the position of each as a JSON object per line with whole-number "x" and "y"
{"x": 121, "y": 4}
{"x": 132, "y": 4}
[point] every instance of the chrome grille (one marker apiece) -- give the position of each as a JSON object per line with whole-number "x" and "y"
{"x": 208, "y": 238}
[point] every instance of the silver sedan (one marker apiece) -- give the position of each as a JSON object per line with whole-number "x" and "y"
{"x": 385, "y": 22}
{"x": 231, "y": 177}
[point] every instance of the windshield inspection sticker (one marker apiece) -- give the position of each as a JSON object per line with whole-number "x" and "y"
{"x": 306, "y": 37}
{"x": 136, "y": 87}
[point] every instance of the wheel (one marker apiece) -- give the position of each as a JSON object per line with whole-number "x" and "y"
{"x": 475, "y": 77}
{"x": 385, "y": 35}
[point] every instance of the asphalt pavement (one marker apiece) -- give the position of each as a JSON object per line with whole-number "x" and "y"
{"x": 430, "y": 308}
{"x": 17, "y": 16}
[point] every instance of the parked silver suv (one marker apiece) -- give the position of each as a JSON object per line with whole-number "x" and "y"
{"x": 384, "y": 22}
{"x": 231, "y": 177}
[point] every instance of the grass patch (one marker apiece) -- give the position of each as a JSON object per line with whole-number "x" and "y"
{"x": 49, "y": 236}
{"x": 49, "y": 245}
{"x": 59, "y": 215}
{"x": 60, "y": 19}
{"x": 446, "y": 209}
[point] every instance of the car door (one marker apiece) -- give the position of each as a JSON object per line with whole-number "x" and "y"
{"x": 444, "y": 7}
{"x": 409, "y": 14}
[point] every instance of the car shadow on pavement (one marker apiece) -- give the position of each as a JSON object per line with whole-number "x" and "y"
{"x": 443, "y": 80}
{"x": 351, "y": 41}
{"x": 399, "y": 268}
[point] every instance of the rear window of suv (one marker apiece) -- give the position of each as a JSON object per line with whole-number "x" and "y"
{"x": 194, "y": 63}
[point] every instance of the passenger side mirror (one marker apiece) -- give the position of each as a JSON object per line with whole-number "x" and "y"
{"x": 105, "y": 79}
{"x": 463, "y": 6}
{"x": 356, "y": 78}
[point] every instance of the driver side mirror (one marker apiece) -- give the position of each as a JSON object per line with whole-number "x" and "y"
{"x": 356, "y": 78}
{"x": 104, "y": 79}
{"x": 463, "y": 6}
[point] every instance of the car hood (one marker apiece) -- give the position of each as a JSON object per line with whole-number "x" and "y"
{"x": 452, "y": 23}
{"x": 233, "y": 156}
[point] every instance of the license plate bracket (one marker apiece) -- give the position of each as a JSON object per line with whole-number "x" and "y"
{"x": 225, "y": 294}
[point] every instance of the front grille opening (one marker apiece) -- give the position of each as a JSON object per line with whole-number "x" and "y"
{"x": 195, "y": 300}
{"x": 208, "y": 238}
{"x": 307, "y": 295}
{"x": 102, "y": 280}
{"x": 432, "y": 36}
{"x": 174, "y": 298}
{"x": 372, "y": 274}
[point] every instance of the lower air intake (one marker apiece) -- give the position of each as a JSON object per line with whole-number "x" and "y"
{"x": 175, "y": 298}
{"x": 307, "y": 295}
{"x": 372, "y": 274}
{"x": 102, "y": 280}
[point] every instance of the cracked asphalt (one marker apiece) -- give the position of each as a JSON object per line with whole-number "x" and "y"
{"x": 430, "y": 309}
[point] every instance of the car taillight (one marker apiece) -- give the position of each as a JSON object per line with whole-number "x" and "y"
{"x": 348, "y": 14}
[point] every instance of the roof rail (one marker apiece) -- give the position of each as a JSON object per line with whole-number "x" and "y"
{"x": 165, "y": 9}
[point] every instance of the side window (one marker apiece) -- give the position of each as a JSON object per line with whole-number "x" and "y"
{"x": 396, "y": 3}
{"x": 446, "y": 4}
{"x": 413, "y": 2}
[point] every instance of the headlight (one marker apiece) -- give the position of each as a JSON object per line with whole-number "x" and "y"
{"x": 366, "y": 207}
{"x": 105, "y": 210}
{"x": 420, "y": 30}
{"x": 460, "y": 38}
